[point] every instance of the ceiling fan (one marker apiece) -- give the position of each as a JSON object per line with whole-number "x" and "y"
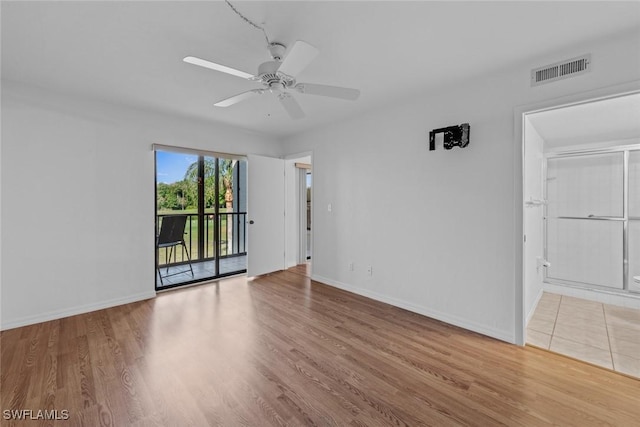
{"x": 278, "y": 76}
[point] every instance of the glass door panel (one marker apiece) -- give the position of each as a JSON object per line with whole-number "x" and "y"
{"x": 231, "y": 226}
{"x": 586, "y": 251}
{"x": 210, "y": 210}
{"x": 176, "y": 196}
{"x": 585, "y": 219}
{"x": 210, "y": 192}
{"x": 634, "y": 221}
{"x": 634, "y": 184}
{"x": 634, "y": 256}
{"x": 586, "y": 185}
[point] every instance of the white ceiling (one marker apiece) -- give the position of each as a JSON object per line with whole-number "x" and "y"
{"x": 603, "y": 121}
{"x": 131, "y": 52}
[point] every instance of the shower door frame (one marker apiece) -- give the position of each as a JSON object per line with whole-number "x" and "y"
{"x": 625, "y": 150}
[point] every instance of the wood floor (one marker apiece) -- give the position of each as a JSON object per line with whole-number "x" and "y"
{"x": 281, "y": 350}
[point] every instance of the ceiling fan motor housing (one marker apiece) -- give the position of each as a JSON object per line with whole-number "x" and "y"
{"x": 268, "y": 74}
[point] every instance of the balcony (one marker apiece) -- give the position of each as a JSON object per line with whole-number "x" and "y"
{"x": 219, "y": 250}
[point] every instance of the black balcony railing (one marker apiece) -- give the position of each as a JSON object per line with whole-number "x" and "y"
{"x": 230, "y": 241}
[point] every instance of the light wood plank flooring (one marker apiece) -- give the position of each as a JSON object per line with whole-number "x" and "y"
{"x": 283, "y": 350}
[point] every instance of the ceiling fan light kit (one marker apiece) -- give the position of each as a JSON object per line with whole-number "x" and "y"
{"x": 277, "y": 51}
{"x": 279, "y": 75}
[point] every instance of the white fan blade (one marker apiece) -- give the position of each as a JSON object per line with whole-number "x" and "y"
{"x": 291, "y": 105}
{"x": 299, "y": 56}
{"x": 239, "y": 97}
{"x": 325, "y": 90}
{"x": 218, "y": 67}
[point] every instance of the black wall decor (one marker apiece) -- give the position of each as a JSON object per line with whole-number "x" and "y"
{"x": 454, "y": 136}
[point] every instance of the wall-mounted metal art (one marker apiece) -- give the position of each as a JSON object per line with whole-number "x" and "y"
{"x": 454, "y": 136}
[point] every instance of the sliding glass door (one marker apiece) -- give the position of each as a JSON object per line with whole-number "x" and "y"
{"x": 591, "y": 236}
{"x": 208, "y": 193}
{"x": 634, "y": 221}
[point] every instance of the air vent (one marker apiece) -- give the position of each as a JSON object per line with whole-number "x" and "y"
{"x": 561, "y": 70}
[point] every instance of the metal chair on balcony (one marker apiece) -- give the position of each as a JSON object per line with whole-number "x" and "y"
{"x": 172, "y": 235}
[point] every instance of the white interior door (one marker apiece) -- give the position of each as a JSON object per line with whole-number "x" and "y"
{"x": 265, "y": 215}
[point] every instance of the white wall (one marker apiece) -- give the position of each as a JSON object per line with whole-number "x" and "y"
{"x": 533, "y": 218}
{"x": 1, "y": 239}
{"x": 442, "y": 230}
{"x": 78, "y": 199}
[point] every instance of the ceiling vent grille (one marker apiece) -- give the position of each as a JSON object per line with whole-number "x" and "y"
{"x": 561, "y": 70}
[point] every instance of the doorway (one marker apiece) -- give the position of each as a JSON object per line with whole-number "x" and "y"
{"x": 299, "y": 205}
{"x": 304, "y": 214}
{"x": 581, "y": 180}
{"x": 207, "y": 193}
{"x": 308, "y": 212}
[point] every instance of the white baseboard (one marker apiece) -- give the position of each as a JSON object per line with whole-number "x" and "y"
{"x": 428, "y": 312}
{"x": 533, "y": 307}
{"x": 72, "y": 311}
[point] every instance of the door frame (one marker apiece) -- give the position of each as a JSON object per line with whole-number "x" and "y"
{"x": 216, "y": 232}
{"x": 293, "y": 195}
{"x": 303, "y": 242}
{"x": 520, "y": 113}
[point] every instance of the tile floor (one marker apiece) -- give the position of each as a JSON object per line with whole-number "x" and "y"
{"x": 602, "y": 334}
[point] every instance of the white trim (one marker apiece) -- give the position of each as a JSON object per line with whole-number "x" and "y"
{"x": 59, "y": 314}
{"x": 533, "y": 307}
{"x": 519, "y": 113}
{"x": 622, "y": 144}
{"x": 428, "y": 312}
{"x": 299, "y": 155}
{"x": 609, "y": 92}
{"x": 198, "y": 152}
{"x": 300, "y": 252}
{"x": 301, "y": 182}
{"x": 589, "y": 151}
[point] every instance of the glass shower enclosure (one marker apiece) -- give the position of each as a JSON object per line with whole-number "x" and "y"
{"x": 592, "y": 218}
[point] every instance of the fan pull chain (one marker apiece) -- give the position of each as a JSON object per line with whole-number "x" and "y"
{"x": 248, "y": 21}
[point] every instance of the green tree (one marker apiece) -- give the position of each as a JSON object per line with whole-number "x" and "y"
{"x": 225, "y": 183}
{"x": 226, "y": 179}
{"x": 162, "y": 201}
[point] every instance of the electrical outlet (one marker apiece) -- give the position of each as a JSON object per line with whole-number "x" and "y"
{"x": 351, "y": 266}
{"x": 370, "y": 270}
